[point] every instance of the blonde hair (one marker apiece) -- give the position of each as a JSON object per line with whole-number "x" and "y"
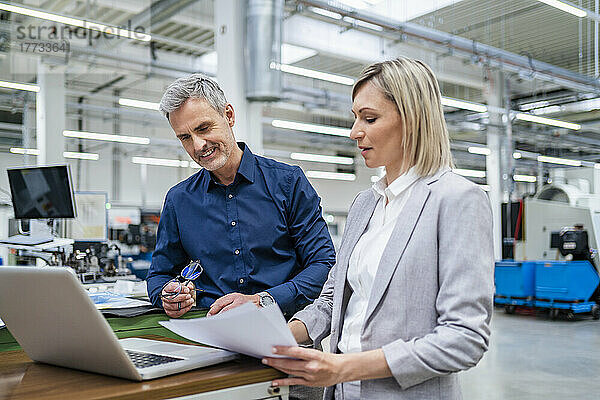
{"x": 411, "y": 85}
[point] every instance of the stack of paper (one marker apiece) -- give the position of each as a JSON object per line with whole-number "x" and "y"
{"x": 246, "y": 329}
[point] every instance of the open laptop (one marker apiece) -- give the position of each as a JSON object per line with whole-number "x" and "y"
{"x": 54, "y": 320}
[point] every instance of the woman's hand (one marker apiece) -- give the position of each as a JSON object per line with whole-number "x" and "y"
{"x": 315, "y": 368}
{"x": 311, "y": 367}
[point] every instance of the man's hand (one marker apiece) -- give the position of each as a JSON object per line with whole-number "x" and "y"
{"x": 232, "y": 300}
{"x": 177, "y": 306}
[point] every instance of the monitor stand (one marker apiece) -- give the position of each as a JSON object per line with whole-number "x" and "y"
{"x": 27, "y": 240}
{"x": 39, "y": 232}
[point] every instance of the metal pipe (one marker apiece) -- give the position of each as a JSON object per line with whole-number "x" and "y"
{"x": 596, "y": 72}
{"x": 493, "y": 56}
{"x": 263, "y": 47}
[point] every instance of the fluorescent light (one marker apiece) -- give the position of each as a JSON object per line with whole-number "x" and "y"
{"x": 138, "y": 104}
{"x": 465, "y": 105}
{"x": 578, "y": 12}
{"x": 547, "y": 121}
{"x": 535, "y": 104}
{"x": 517, "y": 155}
{"x": 331, "y": 175}
{"x": 108, "y": 29}
{"x": 525, "y": 178}
{"x": 20, "y": 86}
{"x": 556, "y": 160}
{"x": 291, "y": 54}
{"x": 322, "y": 158}
{"x": 325, "y": 13}
{"x": 81, "y": 156}
{"x": 301, "y": 126}
{"x": 66, "y": 154}
{"x": 20, "y": 150}
{"x": 107, "y": 137}
{"x": 547, "y": 110}
{"x": 310, "y": 73}
{"x": 358, "y": 22}
{"x": 163, "y": 162}
{"x": 479, "y": 150}
{"x": 472, "y": 173}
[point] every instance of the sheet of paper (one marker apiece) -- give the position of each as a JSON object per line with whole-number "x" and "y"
{"x": 246, "y": 329}
{"x": 104, "y": 300}
{"x": 2, "y": 325}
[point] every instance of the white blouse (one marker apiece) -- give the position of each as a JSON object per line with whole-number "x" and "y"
{"x": 365, "y": 258}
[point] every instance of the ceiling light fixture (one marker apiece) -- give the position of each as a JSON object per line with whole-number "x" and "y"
{"x": 562, "y": 161}
{"x": 547, "y": 121}
{"x": 578, "y": 12}
{"x": 108, "y": 29}
{"x": 471, "y": 173}
{"x": 301, "y": 126}
{"x": 484, "y": 151}
{"x": 322, "y": 158}
{"x": 107, "y": 137}
{"x": 20, "y": 86}
{"x": 20, "y": 150}
{"x": 325, "y": 13}
{"x": 311, "y": 73}
{"x": 525, "y": 178}
{"x": 163, "y": 162}
{"x": 138, "y": 104}
{"x": 340, "y": 176}
{"x": 465, "y": 105}
{"x": 81, "y": 156}
{"x": 66, "y": 154}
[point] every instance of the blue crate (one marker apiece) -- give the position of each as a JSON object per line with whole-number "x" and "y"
{"x": 515, "y": 279}
{"x": 565, "y": 280}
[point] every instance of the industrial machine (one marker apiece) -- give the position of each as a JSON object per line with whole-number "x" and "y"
{"x": 43, "y": 200}
{"x": 554, "y": 237}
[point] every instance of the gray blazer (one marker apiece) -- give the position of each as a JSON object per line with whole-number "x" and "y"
{"x": 431, "y": 303}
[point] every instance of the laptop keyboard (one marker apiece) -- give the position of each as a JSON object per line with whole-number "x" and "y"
{"x": 145, "y": 360}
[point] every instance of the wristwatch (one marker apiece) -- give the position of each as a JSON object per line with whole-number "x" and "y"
{"x": 265, "y": 299}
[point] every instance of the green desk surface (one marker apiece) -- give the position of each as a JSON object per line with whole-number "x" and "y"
{"x": 123, "y": 328}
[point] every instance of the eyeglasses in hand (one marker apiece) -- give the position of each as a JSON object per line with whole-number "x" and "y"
{"x": 191, "y": 272}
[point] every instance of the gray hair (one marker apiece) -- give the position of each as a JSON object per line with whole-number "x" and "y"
{"x": 198, "y": 86}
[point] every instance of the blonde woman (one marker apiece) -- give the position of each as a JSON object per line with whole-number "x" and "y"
{"x": 409, "y": 300}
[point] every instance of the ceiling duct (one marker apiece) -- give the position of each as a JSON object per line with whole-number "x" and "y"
{"x": 263, "y": 47}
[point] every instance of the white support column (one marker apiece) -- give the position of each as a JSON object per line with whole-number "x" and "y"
{"x": 230, "y": 27}
{"x": 50, "y": 113}
{"x": 493, "y": 161}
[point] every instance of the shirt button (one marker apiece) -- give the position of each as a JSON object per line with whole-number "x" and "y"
{"x": 237, "y": 252}
{"x": 232, "y": 223}
{"x": 230, "y": 196}
{"x": 241, "y": 280}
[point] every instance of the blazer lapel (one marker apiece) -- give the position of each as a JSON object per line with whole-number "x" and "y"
{"x": 407, "y": 220}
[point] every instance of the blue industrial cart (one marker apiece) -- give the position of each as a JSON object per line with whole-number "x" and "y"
{"x": 562, "y": 287}
{"x": 566, "y": 286}
{"x": 515, "y": 284}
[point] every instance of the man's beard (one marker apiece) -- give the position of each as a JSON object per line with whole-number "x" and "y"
{"x": 217, "y": 161}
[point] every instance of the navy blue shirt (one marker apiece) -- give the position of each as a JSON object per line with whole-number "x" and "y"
{"x": 263, "y": 232}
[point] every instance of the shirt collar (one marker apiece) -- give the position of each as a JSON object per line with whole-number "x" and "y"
{"x": 246, "y": 169}
{"x": 399, "y": 185}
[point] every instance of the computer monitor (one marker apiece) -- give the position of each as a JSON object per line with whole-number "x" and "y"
{"x": 42, "y": 192}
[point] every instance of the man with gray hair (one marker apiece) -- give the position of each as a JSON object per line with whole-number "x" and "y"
{"x": 252, "y": 223}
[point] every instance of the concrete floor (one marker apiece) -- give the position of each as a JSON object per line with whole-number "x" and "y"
{"x": 533, "y": 357}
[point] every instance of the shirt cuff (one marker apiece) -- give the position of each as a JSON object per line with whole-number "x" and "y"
{"x": 284, "y": 296}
